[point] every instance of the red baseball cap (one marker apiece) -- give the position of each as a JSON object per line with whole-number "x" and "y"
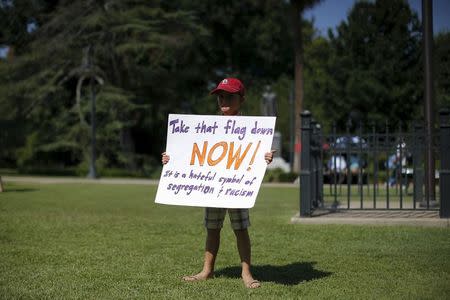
{"x": 230, "y": 85}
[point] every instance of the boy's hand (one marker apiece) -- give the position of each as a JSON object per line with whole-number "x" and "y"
{"x": 165, "y": 158}
{"x": 269, "y": 156}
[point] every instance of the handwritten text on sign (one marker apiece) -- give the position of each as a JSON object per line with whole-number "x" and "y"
{"x": 215, "y": 161}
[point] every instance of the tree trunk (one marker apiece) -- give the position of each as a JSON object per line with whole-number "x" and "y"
{"x": 298, "y": 81}
{"x": 1, "y": 184}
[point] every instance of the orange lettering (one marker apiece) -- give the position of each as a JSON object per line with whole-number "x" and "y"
{"x": 213, "y": 162}
{"x": 236, "y": 156}
{"x": 200, "y": 156}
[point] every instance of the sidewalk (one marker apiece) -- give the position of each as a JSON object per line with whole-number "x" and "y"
{"x": 138, "y": 181}
{"x": 426, "y": 218}
{"x": 56, "y": 180}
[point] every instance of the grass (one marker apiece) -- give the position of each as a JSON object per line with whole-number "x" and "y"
{"x": 113, "y": 242}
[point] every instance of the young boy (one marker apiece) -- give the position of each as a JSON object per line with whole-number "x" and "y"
{"x": 230, "y": 96}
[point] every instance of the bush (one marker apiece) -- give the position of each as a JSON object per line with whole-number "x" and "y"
{"x": 146, "y": 167}
{"x": 278, "y": 175}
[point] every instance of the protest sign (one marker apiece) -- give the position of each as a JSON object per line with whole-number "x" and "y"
{"x": 215, "y": 161}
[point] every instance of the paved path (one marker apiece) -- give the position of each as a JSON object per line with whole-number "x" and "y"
{"x": 56, "y": 180}
{"x": 139, "y": 181}
{"x": 428, "y": 218}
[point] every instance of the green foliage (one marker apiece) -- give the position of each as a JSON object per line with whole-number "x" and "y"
{"x": 320, "y": 81}
{"x": 249, "y": 38}
{"x": 159, "y": 57}
{"x": 27, "y": 152}
{"x": 137, "y": 46}
{"x": 442, "y": 69}
{"x": 149, "y": 168}
{"x": 372, "y": 67}
{"x": 278, "y": 175}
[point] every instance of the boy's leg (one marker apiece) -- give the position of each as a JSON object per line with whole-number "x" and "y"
{"x": 245, "y": 253}
{"x": 213, "y": 222}
{"x": 240, "y": 221}
{"x": 211, "y": 250}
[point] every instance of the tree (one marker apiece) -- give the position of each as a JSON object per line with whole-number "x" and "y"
{"x": 376, "y": 63}
{"x": 442, "y": 63}
{"x": 144, "y": 50}
{"x": 320, "y": 81}
{"x": 157, "y": 57}
{"x": 298, "y": 7}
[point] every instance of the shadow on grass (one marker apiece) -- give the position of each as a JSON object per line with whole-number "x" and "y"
{"x": 17, "y": 190}
{"x": 291, "y": 274}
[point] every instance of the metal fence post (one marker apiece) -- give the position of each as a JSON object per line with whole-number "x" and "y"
{"x": 417, "y": 149}
{"x": 320, "y": 166}
{"x": 305, "y": 171}
{"x": 375, "y": 165}
{"x": 314, "y": 166}
{"x": 348, "y": 145}
{"x": 444, "y": 173}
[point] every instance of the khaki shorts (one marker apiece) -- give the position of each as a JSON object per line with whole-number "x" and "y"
{"x": 214, "y": 217}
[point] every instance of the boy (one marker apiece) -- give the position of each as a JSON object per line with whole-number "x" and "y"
{"x": 230, "y": 96}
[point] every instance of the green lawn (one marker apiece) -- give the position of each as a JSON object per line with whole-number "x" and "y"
{"x": 112, "y": 242}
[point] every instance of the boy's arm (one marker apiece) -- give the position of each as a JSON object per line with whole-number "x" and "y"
{"x": 165, "y": 158}
{"x": 269, "y": 156}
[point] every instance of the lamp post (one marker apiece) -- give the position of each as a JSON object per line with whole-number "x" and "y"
{"x": 291, "y": 128}
{"x": 92, "y": 170}
{"x": 88, "y": 70}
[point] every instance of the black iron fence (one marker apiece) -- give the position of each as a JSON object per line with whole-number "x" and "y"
{"x": 373, "y": 169}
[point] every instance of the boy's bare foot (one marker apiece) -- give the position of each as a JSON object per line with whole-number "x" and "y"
{"x": 198, "y": 277}
{"x": 250, "y": 282}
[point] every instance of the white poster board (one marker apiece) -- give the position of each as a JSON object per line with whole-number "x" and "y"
{"x": 215, "y": 161}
